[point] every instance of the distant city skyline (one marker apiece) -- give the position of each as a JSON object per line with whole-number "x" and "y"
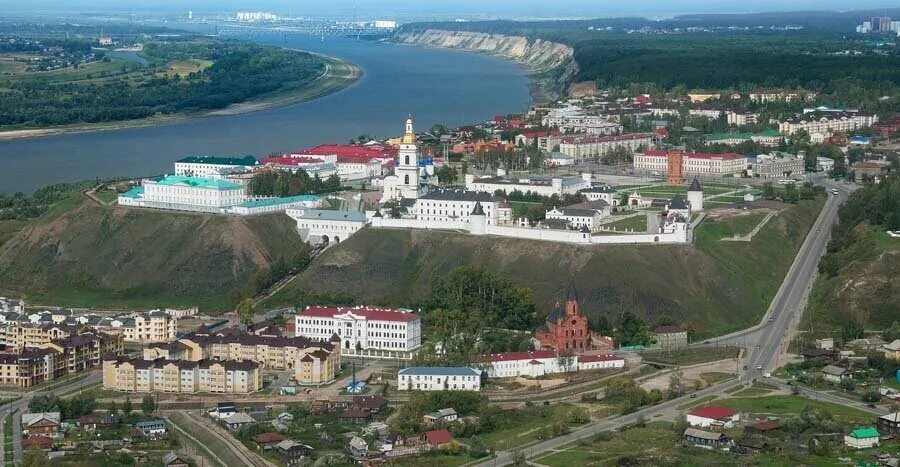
{"x": 405, "y": 10}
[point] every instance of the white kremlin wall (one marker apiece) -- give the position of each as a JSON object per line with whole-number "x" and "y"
{"x": 560, "y": 236}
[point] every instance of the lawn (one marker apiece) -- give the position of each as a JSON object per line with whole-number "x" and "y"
{"x": 658, "y": 444}
{"x": 107, "y": 196}
{"x": 686, "y": 357}
{"x": 519, "y": 427}
{"x": 715, "y": 377}
{"x": 637, "y": 223}
{"x": 759, "y": 265}
{"x": 186, "y": 67}
{"x": 432, "y": 460}
{"x": 788, "y": 405}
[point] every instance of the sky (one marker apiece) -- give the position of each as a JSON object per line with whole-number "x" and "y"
{"x": 448, "y": 9}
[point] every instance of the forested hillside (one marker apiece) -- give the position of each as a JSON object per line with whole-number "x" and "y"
{"x": 858, "y": 288}
{"x": 824, "y": 56}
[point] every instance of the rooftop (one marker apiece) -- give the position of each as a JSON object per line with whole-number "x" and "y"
{"x": 440, "y": 370}
{"x": 329, "y": 215}
{"x": 248, "y": 161}
{"x": 276, "y": 201}
{"x": 462, "y": 195}
{"x": 369, "y": 313}
{"x": 196, "y": 182}
{"x": 713, "y": 412}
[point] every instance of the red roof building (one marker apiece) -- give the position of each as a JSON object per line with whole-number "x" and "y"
{"x": 438, "y": 437}
{"x": 712, "y": 415}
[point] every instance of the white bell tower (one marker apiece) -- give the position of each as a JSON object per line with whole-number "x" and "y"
{"x": 407, "y": 171}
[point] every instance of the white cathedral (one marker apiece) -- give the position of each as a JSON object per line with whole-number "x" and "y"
{"x": 406, "y": 182}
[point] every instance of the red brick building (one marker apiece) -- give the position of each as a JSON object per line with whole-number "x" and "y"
{"x": 566, "y": 329}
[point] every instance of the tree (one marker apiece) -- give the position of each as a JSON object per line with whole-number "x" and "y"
{"x": 633, "y": 330}
{"x": 34, "y": 457}
{"x": 245, "y": 309}
{"x": 126, "y": 407}
{"x": 768, "y": 190}
{"x": 148, "y": 405}
{"x": 446, "y": 175}
{"x": 790, "y": 193}
{"x": 847, "y": 384}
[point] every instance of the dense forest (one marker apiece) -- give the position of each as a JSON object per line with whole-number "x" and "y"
{"x": 825, "y": 56}
{"x": 239, "y": 72}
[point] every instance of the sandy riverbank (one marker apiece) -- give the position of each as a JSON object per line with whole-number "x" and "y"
{"x": 337, "y": 76}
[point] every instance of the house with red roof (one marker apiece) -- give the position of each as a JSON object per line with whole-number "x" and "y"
{"x": 713, "y": 415}
{"x": 537, "y": 363}
{"x": 363, "y": 329}
{"x": 438, "y": 438}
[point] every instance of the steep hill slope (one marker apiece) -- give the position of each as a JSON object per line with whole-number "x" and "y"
{"x": 712, "y": 286}
{"x": 858, "y": 287}
{"x": 866, "y": 291}
{"x": 88, "y": 255}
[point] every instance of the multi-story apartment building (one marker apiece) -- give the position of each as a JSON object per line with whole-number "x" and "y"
{"x": 181, "y": 376}
{"x": 693, "y": 163}
{"x": 155, "y": 326}
{"x": 313, "y": 361}
{"x": 19, "y": 335}
{"x": 826, "y": 123}
{"x": 82, "y": 351}
{"x": 359, "y": 329}
{"x": 544, "y": 186}
{"x": 28, "y": 366}
{"x": 584, "y": 147}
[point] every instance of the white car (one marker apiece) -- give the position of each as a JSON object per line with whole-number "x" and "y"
{"x": 759, "y": 367}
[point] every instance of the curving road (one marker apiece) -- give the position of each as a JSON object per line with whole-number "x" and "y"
{"x": 766, "y": 341}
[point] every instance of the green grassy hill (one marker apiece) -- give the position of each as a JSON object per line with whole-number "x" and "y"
{"x": 714, "y": 286}
{"x": 82, "y": 254}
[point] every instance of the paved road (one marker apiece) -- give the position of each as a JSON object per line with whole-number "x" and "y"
{"x": 21, "y": 406}
{"x": 767, "y": 340}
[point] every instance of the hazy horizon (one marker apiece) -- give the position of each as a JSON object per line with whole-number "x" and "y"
{"x": 408, "y": 9}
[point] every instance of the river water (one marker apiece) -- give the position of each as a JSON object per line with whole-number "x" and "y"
{"x": 435, "y": 85}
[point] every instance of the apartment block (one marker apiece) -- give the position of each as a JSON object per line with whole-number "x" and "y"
{"x": 181, "y": 376}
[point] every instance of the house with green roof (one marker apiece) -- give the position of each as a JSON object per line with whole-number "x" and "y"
{"x": 862, "y": 438}
{"x": 214, "y": 166}
{"x": 728, "y": 138}
{"x": 186, "y": 193}
{"x": 768, "y": 137}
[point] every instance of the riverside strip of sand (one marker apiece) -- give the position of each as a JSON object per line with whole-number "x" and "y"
{"x": 338, "y": 75}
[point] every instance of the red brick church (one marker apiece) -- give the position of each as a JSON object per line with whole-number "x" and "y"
{"x": 566, "y": 329}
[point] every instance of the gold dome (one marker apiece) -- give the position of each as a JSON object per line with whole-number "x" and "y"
{"x": 410, "y": 136}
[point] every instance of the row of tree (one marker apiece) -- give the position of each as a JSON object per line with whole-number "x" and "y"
{"x": 283, "y": 183}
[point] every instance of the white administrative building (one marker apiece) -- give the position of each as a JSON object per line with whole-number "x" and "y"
{"x": 363, "y": 330}
{"x": 439, "y": 379}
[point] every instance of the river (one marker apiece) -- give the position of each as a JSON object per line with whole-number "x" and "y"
{"x": 434, "y": 85}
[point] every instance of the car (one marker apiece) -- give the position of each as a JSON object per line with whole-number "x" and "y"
{"x": 771, "y": 318}
{"x": 759, "y": 367}
{"x": 694, "y": 395}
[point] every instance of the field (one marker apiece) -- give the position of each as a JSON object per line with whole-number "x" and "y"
{"x": 692, "y": 285}
{"x": 8, "y": 229}
{"x": 787, "y": 405}
{"x": 186, "y": 67}
{"x": 81, "y": 254}
{"x": 523, "y": 426}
